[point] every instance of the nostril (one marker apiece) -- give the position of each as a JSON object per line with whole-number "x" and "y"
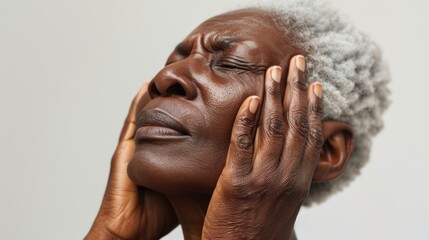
{"x": 153, "y": 91}
{"x": 176, "y": 89}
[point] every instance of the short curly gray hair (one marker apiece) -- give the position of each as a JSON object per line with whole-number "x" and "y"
{"x": 350, "y": 67}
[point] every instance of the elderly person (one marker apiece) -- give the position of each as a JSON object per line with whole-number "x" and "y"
{"x": 257, "y": 112}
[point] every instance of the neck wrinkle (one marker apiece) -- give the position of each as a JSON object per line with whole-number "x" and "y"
{"x": 191, "y": 212}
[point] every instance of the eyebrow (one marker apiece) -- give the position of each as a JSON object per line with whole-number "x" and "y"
{"x": 223, "y": 44}
{"x": 217, "y": 45}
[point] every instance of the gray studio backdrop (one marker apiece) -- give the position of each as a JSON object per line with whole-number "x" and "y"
{"x": 69, "y": 70}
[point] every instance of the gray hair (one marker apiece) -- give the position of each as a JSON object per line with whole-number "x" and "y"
{"x": 351, "y": 69}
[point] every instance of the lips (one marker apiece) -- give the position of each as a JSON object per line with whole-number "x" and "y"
{"x": 157, "y": 124}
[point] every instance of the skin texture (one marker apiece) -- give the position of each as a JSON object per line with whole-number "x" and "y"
{"x": 202, "y": 85}
{"x": 127, "y": 210}
{"x": 227, "y": 144}
{"x": 263, "y": 172}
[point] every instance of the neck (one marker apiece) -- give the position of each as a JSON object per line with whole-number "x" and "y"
{"x": 191, "y": 212}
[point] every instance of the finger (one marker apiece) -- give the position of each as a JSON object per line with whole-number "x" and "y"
{"x": 315, "y": 136}
{"x": 270, "y": 133}
{"x": 125, "y": 148}
{"x": 240, "y": 152}
{"x": 296, "y": 115}
{"x": 129, "y": 128}
{"x": 142, "y": 101}
{"x": 136, "y": 100}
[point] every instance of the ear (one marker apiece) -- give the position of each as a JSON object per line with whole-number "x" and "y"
{"x": 337, "y": 148}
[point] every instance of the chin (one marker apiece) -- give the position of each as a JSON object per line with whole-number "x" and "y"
{"x": 171, "y": 170}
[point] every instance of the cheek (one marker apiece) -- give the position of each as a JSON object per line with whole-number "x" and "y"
{"x": 226, "y": 101}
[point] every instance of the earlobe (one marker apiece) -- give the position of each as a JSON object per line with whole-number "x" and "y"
{"x": 336, "y": 151}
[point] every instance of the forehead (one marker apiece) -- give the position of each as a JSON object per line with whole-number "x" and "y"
{"x": 248, "y": 18}
{"x": 245, "y": 23}
{"x": 253, "y": 29}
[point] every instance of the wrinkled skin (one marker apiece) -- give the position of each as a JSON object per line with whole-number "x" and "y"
{"x": 204, "y": 82}
{"x": 264, "y": 181}
{"x": 127, "y": 210}
{"x": 227, "y": 144}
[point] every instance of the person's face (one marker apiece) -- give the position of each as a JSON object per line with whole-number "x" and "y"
{"x": 184, "y": 130}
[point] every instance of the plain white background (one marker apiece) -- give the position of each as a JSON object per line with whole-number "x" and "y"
{"x": 69, "y": 70}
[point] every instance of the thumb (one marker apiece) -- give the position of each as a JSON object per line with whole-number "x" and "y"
{"x": 118, "y": 170}
{"x": 129, "y": 128}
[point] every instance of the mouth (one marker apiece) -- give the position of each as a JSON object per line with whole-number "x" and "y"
{"x": 156, "y": 124}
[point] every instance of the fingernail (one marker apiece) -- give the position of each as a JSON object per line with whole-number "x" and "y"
{"x": 253, "y": 105}
{"x": 300, "y": 63}
{"x": 276, "y": 73}
{"x": 317, "y": 89}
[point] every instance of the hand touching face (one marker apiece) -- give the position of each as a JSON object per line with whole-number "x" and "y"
{"x": 184, "y": 131}
{"x": 268, "y": 176}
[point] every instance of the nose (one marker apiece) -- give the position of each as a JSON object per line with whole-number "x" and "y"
{"x": 173, "y": 80}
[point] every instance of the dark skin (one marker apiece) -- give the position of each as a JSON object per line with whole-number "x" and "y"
{"x": 226, "y": 140}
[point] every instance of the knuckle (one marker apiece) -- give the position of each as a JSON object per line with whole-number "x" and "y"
{"x": 237, "y": 185}
{"x": 254, "y": 187}
{"x": 245, "y": 122}
{"x": 260, "y": 182}
{"x": 242, "y": 188}
{"x": 243, "y": 139}
{"x": 298, "y": 83}
{"x": 244, "y": 142}
{"x": 298, "y": 121}
{"x": 288, "y": 185}
{"x": 315, "y": 109}
{"x": 276, "y": 126}
{"x": 295, "y": 188}
{"x": 274, "y": 92}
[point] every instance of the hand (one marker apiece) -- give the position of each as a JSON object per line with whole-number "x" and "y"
{"x": 264, "y": 182}
{"x": 127, "y": 210}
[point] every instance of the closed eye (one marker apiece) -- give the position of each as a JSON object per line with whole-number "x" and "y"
{"x": 231, "y": 63}
{"x": 228, "y": 65}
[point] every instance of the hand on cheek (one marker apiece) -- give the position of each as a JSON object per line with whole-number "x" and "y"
{"x": 128, "y": 211}
{"x": 267, "y": 177}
